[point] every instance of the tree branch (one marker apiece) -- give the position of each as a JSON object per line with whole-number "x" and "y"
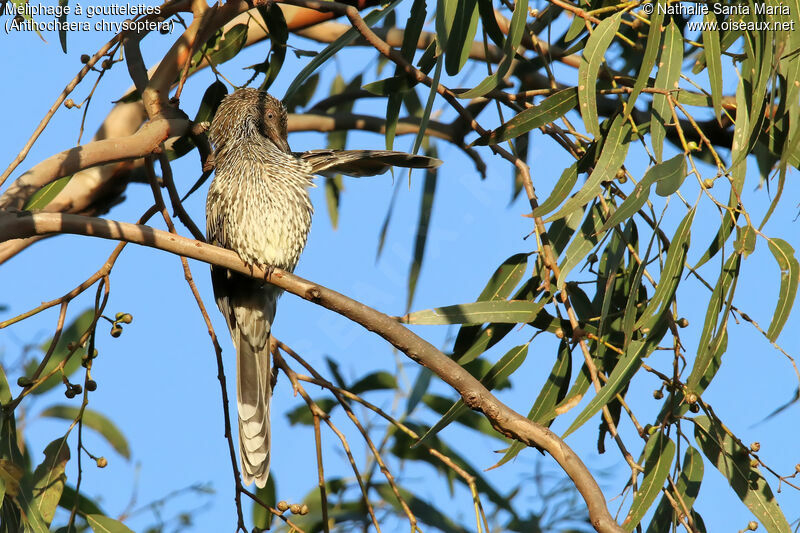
{"x": 474, "y": 394}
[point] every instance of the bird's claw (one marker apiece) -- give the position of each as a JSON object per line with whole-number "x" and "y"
{"x": 268, "y": 271}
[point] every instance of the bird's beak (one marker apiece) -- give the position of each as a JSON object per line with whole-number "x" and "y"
{"x": 282, "y": 144}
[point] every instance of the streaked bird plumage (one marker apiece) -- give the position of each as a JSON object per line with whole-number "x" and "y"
{"x": 258, "y": 206}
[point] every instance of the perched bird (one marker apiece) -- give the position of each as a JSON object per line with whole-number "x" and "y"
{"x": 258, "y": 206}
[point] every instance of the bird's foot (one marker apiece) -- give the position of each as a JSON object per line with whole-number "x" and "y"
{"x": 268, "y": 271}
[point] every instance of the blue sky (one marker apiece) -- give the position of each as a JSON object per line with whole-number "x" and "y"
{"x": 158, "y": 380}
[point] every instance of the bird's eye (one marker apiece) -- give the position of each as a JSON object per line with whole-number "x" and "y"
{"x": 270, "y": 115}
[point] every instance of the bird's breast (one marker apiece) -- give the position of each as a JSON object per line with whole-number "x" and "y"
{"x": 262, "y": 212}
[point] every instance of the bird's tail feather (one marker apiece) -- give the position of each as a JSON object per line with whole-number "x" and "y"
{"x": 254, "y": 390}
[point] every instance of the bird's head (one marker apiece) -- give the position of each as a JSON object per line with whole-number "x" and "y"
{"x": 248, "y": 114}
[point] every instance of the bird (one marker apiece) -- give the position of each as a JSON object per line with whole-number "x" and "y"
{"x": 258, "y": 205}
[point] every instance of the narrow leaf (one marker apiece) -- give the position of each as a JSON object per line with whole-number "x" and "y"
{"x": 612, "y": 156}
{"x": 499, "y": 287}
{"x": 669, "y": 71}
{"x": 554, "y": 390}
{"x": 650, "y": 55}
{"x": 659, "y": 454}
{"x": 672, "y": 170}
{"x": 49, "y": 479}
{"x": 500, "y": 371}
{"x": 670, "y": 274}
{"x": 462, "y": 34}
{"x": 46, "y": 194}
{"x": 589, "y": 70}
{"x": 423, "y": 225}
{"x": 688, "y": 486}
{"x": 713, "y": 55}
{"x": 790, "y": 277}
{"x": 732, "y": 459}
{"x": 515, "y": 32}
{"x": 725, "y": 230}
{"x": 262, "y": 518}
{"x": 623, "y": 372}
{"x": 94, "y": 420}
{"x": 375, "y": 381}
{"x": 370, "y": 19}
{"x": 550, "y": 109}
{"x": 706, "y": 348}
{"x": 583, "y": 242}
{"x": 104, "y": 524}
{"x": 499, "y": 312}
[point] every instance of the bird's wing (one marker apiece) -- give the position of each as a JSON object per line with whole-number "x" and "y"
{"x": 363, "y": 162}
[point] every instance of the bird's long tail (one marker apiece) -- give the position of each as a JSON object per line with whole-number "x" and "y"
{"x": 254, "y": 390}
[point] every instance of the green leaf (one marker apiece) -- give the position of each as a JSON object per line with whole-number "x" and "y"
{"x": 104, "y": 524}
{"x": 262, "y": 518}
{"x": 745, "y": 242}
{"x": 212, "y": 97}
{"x": 585, "y": 240}
{"x": 669, "y": 71}
{"x": 370, "y": 19}
{"x": 659, "y": 453}
{"x": 706, "y": 348}
{"x": 302, "y": 95}
{"x": 790, "y": 277}
{"x": 623, "y": 372}
{"x": 713, "y": 55}
{"x": 49, "y": 479}
{"x": 515, "y": 32}
{"x": 550, "y": 109}
{"x": 411, "y": 34}
{"x": 445, "y": 16}
{"x": 5, "y": 390}
{"x": 278, "y": 34}
{"x": 419, "y": 389}
{"x": 688, "y": 486}
{"x": 333, "y": 188}
{"x": 46, "y": 194}
{"x": 402, "y": 449}
{"x": 423, "y": 225}
{"x": 670, "y": 274}
{"x": 498, "y": 312}
{"x": 560, "y": 191}
{"x": 94, "y": 420}
{"x": 389, "y": 86}
{"x": 670, "y": 175}
{"x": 499, "y": 287}
{"x": 503, "y": 368}
{"x": 466, "y": 417}
{"x": 489, "y": 22}
{"x": 424, "y": 511}
{"x": 650, "y": 55}
{"x": 85, "y": 505}
{"x": 732, "y": 459}
{"x": 426, "y": 114}
{"x": 380, "y": 380}
{"x": 219, "y": 50}
{"x": 612, "y": 156}
{"x": 589, "y": 69}
{"x": 554, "y": 390}
{"x": 302, "y": 415}
{"x": 62, "y": 19}
{"x": 741, "y": 139}
{"x": 71, "y": 334}
{"x": 725, "y": 229}
{"x": 462, "y": 34}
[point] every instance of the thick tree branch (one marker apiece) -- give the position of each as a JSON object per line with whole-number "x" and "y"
{"x": 145, "y": 141}
{"x": 475, "y": 395}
